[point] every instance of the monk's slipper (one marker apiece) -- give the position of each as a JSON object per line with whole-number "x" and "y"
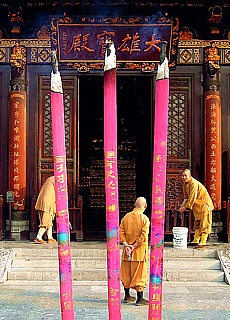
{"x": 51, "y": 241}
{"x": 201, "y": 246}
{"x": 142, "y": 302}
{"x": 191, "y": 244}
{"x": 39, "y": 241}
{"x": 129, "y": 299}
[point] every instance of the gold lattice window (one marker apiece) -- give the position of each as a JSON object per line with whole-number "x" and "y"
{"x": 177, "y": 125}
{"x": 47, "y": 124}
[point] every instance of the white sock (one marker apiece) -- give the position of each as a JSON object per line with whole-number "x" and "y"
{"x": 49, "y": 233}
{"x": 41, "y": 231}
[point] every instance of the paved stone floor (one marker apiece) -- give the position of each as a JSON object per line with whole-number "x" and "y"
{"x": 187, "y": 301}
{"x": 179, "y": 303}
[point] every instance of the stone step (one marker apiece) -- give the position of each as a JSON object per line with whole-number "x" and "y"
{"x": 49, "y": 262}
{"x": 45, "y": 251}
{"x": 191, "y": 264}
{"x": 54, "y": 286}
{"x": 51, "y": 250}
{"x": 196, "y": 276}
{"x": 100, "y": 263}
{"x": 39, "y": 263}
{"x": 46, "y": 274}
{"x": 51, "y": 286}
{"x": 190, "y": 252}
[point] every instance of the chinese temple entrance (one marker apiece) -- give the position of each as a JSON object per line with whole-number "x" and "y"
{"x": 134, "y": 113}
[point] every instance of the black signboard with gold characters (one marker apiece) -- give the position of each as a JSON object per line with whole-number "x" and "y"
{"x": 137, "y": 42}
{"x": 132, "y": 42}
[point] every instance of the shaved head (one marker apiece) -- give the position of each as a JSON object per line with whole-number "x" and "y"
{"x": 140, "y": 203}
{"x": 186, "y": 175}
{"x": 187, "y": 171}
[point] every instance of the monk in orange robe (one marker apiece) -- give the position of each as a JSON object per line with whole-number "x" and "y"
{"x": 46, "y": 206}
{"x": 197, "y": 199}
{"x": 134, "y": 230}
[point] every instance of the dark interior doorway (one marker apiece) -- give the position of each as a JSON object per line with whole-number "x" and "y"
{"x": 134, "y": 121}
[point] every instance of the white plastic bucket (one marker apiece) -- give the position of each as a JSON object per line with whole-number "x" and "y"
{"x": 180, "y": 236}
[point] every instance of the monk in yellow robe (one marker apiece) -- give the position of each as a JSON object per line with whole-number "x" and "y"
{"x": 46, "y": 206}
{"x": 134, "y": 230}
{"x": 197, "y": 199}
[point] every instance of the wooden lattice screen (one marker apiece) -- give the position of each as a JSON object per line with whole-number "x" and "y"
{"x": 45, "y": 157}
{"x": 178, "y": 152}
{"x": 45, "y": 148}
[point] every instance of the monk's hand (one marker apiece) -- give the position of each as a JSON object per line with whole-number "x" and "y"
{"x": 128, "y": 250}
{"x": 182, "y": 209}
{"x": 131, "y": 248}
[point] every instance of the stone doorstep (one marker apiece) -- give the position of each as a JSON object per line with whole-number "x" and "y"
{"x": 18, "y": 223}
{"x": 217, "y": 224}
{"x": 17, "y": 227}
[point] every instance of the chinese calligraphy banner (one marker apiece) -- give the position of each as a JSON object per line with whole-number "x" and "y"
{"x": 17, "y": 148}
{"x": 81, "y": 42}
{"x": 213, "y": 152}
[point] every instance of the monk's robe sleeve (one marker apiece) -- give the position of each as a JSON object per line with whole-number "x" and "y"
{"x": 122, "y": 232}
{"x": 192, "y": 196}
{"x": 143, "y": 238}
{"x": 185, "y": 194}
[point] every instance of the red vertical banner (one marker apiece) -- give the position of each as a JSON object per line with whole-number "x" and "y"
{"x": 212, "y": 146}
{"x": 111, "y": 184}
{"x": 61, "y": 194}
{"x": 158, "y": 192}
{"x": 17, "y": 148}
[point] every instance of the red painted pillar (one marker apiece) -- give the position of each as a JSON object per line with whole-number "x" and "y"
{"x": 158, "y": 189}
{"x": 17, "y": 148}
{"x": 212, "y": 126}
{"x": 17, "y": 129}
{"x": 61, "y": 194}
{"x": 111, "y": 184}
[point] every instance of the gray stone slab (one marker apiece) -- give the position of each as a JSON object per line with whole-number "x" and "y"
{"x": 91, "y": 303}
{"x": 40, "y": 300}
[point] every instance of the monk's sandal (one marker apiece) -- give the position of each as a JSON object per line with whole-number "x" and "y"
{"x": 129, "y": 299}
{"x": 140, "y": 300}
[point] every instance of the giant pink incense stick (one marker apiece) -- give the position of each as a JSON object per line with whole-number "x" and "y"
{"x": 158, "y": 189}
{"x": 60, "y": 184}
{"x": 111, "y": 183}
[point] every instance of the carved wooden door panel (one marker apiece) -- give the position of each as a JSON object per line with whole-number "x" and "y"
{"x": 178, "y": 148}
{"x": 45, "y": 147}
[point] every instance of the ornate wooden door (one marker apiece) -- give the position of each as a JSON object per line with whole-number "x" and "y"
{"x": 45, "y": 148}
{"x": 179, "y": 148}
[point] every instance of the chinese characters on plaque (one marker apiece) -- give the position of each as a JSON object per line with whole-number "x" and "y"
{"x": 78, "y": 42}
